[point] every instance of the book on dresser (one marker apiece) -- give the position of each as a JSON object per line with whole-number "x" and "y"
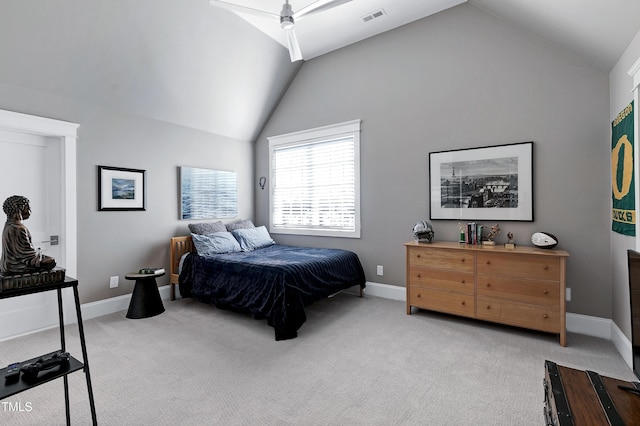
{"x": 523, "y": 287}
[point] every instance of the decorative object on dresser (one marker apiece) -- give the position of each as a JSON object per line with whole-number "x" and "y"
{"x": 423, "y": 232}
{"x": 489, "y": 183}
{"x": 493, "y": 233}
{"x": 576, "y": 397}
{"x": 524, "y": 286}
{"x": 509, "y": 244}
{"x": 544, "y": 240}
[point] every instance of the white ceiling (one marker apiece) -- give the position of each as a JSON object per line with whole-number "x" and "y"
{"x": 597, "y": 30}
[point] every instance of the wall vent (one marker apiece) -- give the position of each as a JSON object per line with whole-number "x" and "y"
{"x": 373, "y": 15}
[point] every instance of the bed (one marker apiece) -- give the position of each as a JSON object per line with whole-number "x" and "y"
{"x": 274, "y": 282}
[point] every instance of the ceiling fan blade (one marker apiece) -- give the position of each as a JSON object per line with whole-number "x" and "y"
{"x": 294, "y": 47}
{"x": 318, "y": 6}
{"x": 237, "y": 8}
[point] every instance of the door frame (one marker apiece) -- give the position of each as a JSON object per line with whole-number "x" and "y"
{"x": 66, "y": 133}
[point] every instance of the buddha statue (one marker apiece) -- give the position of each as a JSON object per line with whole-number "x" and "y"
{"x": 18, "y": 254}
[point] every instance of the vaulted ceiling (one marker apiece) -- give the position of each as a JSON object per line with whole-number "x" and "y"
{"x": 193, "y": 64}
{"x": 597, "y": 30}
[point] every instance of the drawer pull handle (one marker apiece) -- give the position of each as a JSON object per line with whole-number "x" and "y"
{"x": 417, "y": 255}
{"x": 546, "y": 292}
{"x": 462, "y": 303}
{"x": 488, "y": 306}
{"x": 462, "y": 282}
{"x": 418, "y": 275}
{"x": 545, "y": 316}
{"x": 462, "y": 260}
{"x": 418, "y": 295}
{"x": 488, "y": 284}
{"x": 545, "y": 267}
{"x": 488, "y": 262}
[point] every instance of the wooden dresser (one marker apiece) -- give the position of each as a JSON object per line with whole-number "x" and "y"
{"x": 524, "y": 286}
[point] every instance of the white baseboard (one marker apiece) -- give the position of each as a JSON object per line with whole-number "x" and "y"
{"x": 576, "y": 323}
{"x": 88, "y": 311}
{"x": 115, "y": 304}
{"x": 386, "y": 291}
{"x": 622, "y": 344}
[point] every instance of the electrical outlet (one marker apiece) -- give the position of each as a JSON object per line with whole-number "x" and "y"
{"x": 568, "y": 291}
{"x": 113, "y": 282}
{"x": 380, "y": 270}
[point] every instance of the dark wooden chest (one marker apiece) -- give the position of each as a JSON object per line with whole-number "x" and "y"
{"x": 578, "y": 397}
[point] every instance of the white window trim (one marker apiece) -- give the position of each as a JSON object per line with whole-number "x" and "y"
{"x": 304, "y": 137}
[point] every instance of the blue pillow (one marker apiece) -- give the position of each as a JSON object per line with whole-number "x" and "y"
{"x": 253, "y": 238}
{"x": 207, "y": 227}
{"x": 240, "y": 224}
{"x": 217, "y": 243}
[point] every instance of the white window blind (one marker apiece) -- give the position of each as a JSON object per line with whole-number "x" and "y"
{"x": 315, "y": 181}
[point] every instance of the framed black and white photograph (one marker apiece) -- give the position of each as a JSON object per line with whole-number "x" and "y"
{"x": 207, "y": 193}
{"x": 488, "y": 183}
{"x": 121, "y": 189}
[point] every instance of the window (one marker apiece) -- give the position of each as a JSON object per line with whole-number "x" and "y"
{"x": 315, "y": 181}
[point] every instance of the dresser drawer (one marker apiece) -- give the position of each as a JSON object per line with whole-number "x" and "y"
{"x": 440, "y": 279}
{"x": 544, "y": 318}
{"x": 442, "y": 301}
{"x": 518, "y": 290}
{"x": 520, "y": 266}
{"x": 459, "y": 260}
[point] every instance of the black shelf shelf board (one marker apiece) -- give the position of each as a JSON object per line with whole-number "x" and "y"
{"x": 68, "y": 282}
{"x": 9, "y": 389}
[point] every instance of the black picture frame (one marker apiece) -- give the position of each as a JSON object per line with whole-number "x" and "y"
{"x": 121, "y": 189}
{"x": 487, "y": 183}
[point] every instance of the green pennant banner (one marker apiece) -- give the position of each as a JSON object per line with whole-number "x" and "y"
{"x": 622, "y": 176}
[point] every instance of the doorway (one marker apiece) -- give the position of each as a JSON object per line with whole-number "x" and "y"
{"x": 38, "y": 160}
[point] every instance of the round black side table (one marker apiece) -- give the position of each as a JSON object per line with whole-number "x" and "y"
{"x": 145, "y": 300}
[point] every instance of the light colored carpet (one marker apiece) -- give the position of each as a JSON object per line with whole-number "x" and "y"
{"x": 356, "y": 361}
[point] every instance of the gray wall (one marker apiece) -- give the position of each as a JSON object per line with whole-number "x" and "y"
{"x": 620, "y": 96}
{"x": 152, "y": 88}
{"x": 461, "y": 79}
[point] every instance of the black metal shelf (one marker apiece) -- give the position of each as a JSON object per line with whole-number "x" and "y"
{"x": 20, "y": 385}
{"x": 11, "y": 388}
{"x": 68, "y": 282}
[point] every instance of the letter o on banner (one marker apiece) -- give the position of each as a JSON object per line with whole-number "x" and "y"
{"x": 627, "y": 167}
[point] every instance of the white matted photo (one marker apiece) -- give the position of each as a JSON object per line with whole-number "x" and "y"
{"x": 121, "y": 189}
{"x": 488, "y": 183}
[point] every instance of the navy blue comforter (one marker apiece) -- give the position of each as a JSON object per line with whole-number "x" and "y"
{"x": 275, "y": 282}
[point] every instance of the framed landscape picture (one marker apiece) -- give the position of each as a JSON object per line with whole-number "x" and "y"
{"x": 488, "y": 183}
{"x": 121, "y": 189}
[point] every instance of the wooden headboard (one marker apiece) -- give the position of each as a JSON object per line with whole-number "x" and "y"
{"x": 179, "y": 246}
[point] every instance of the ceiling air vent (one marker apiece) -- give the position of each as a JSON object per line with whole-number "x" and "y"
{"x": 373, "y": 15}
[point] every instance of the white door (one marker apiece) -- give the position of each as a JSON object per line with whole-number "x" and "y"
{"x": 31, "y": 166}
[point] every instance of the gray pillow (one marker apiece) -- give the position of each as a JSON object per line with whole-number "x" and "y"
{"x": 253, "y": 238}
{"x": 240, "y": 224}
{"x": 207, "y": 228}
{"x": 216, "y": 243}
